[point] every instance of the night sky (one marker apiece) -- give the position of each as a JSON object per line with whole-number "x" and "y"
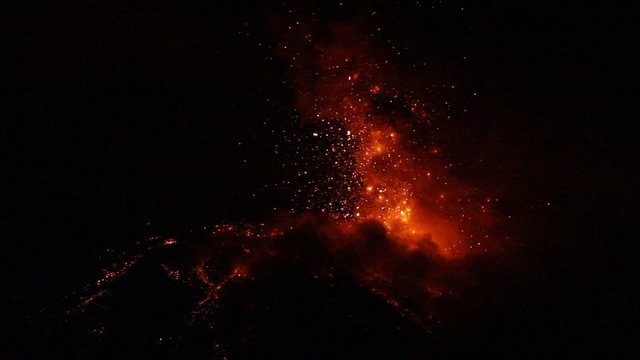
{"x": 127, "y": 123}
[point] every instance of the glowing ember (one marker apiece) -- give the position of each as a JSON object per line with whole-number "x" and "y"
{"x": 386, "y": 170}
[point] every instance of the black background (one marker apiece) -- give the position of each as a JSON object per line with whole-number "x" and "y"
{"x": 124, "y": 120}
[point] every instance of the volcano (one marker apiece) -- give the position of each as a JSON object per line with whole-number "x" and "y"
{"x": 318, "y": 179}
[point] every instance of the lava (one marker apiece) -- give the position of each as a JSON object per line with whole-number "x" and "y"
{"x": 389, "y": 170}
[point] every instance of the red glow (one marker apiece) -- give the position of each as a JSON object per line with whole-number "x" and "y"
{"x": 398, "y": 178}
